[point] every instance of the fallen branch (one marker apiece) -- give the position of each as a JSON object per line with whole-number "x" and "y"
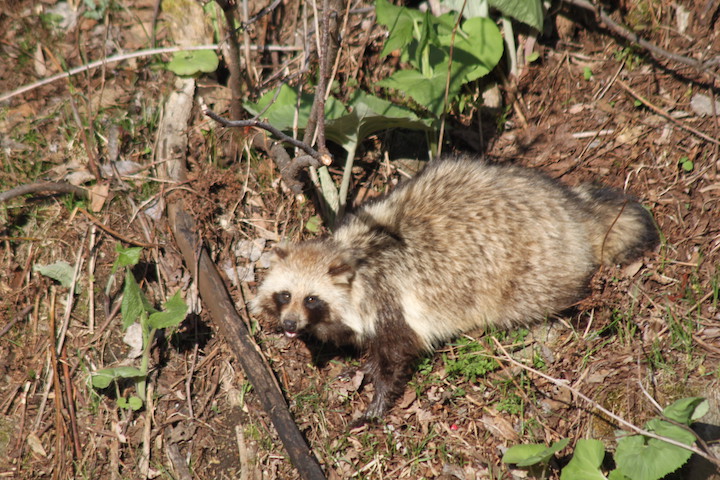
{"x": 100, "y": 63}
{"x": 665, "y": 114}
{"x": 48, "y": 187}
{"x": 699, "y": 65}
{"x": 232, "y": 329}
{"x": 172, "y": 138}
{"x": 322, "y": 159}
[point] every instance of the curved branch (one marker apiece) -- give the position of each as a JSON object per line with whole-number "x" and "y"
{"x": 324, "y": 159}
{"x": 50, "y": 187}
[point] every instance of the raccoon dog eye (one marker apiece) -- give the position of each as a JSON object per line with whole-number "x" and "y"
{"x": 282, "y": 298}
{"x": 312, "y": 302}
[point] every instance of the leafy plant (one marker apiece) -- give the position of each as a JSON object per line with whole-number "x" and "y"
{"x": 435, "y": 49}
{"x": 193, "y": 62}
{"x": 135, "y": 307}
{"x": 347, "y": 127}
{"x": 471, "y": 361}
{"x": 637, "y": 457}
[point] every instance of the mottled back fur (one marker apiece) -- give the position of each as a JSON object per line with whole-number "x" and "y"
{"x": 462, "y": 245}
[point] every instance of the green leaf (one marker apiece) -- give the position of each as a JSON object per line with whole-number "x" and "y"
{"x": 687, "y": 164}
{"x": 313, "y": 224}
{"x": 587, "y": 73}
{"x": 531, "y": 454}
{"x": 529, "y": 12}
{"x": 126, "y": 257}
{"x": 60, "y": 271}
{"x": 642, "y": 458}
{"x": 617, "y": 475}
{"x": 478, "y": 47}
{"x": 369, "y": 114}
{"x": 278, "y": 108}
{"x": 401, "y": 23}
{"x": 103, "y": 378}
{"x": 134, "y": 403}
{"x": 134, "y": 302}
{"x": 175, "y": 311}
{"x": 191, "y": 62}
{"x": 586, "y": 461}
{"x": 472, "y": 8}
{"x": 686, "y": 410}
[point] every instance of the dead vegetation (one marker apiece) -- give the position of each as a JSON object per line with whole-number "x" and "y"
{"x": 591, "y": 108}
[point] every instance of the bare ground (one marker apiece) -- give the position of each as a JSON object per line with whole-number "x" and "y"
{"x": 649, "y": 330}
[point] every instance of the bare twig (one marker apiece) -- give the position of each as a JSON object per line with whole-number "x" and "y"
{"x": 99, "y": 63}
{"x": 233, "y": 63}
{"x": 448, "y": 77}
{"x": 699, "y": 65}
{"x": 115, "y": 233}
{"x": 322, "y": 159}
{"x": 665, "y": 114}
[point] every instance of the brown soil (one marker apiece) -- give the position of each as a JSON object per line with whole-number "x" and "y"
{"x": 654, "y": 324}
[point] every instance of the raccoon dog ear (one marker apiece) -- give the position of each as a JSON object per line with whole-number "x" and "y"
{"x": 280, "y": 251}
{"x": 342, "y": 269}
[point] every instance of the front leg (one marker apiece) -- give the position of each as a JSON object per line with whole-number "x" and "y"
{"x": 390, "y": 365}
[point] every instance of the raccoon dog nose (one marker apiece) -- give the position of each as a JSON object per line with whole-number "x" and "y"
{"x": 290, "y": 327}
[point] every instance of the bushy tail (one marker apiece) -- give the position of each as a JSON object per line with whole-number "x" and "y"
{"x": 620, "y": 227}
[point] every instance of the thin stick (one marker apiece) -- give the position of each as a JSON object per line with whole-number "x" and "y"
{"x": 665, "y": 114}
{"x": 99, "y": 63}
{"x": 594, "y": 404}
{"x": 324, "y": 159}
{"x": 702, "y": 66}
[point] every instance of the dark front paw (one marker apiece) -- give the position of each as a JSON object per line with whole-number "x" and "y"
{"x": 363, "y": 421}
{"x": 356, "y": 375}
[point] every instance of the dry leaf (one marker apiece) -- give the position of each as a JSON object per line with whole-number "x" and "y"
{"x": 98, "y": 195}
{"x": 36, "y": 446}
{"x": 39, "y": 61}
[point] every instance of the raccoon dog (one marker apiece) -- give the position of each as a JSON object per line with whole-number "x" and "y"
{"x": 463, "y": 245}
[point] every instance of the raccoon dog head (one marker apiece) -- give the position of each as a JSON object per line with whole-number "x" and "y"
{"x": 308, "y": 290}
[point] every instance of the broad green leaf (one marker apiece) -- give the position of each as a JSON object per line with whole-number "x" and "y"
{"x": 586, "y": 461}
{"x": 134, "y": 302}
{"x": 103, "y": 378}
{"x": 426, "y": 91}
{"x": 617, "y": 475}
{"x": 531, "y": 454}
{"x": 313, "y": 224}
{"x": 135, "y": 403}
{"x": 642, "y": 458}
{"x": 369, "y": 114}
{"x": 529, "y": 12}
{"x": 191, "y": 62}
{"x": 686, "y": 410}
{"x": 126, "y": 257}
{"x": 401, "y": 23}
{"x": 278, "y": 108}
{"x": 667, "y": 429}
{"x": 175, "y": 310}
{"x": 472, "y": 9}
{"x": 61, "y": 271}
{"x": 520, "y": 454}
{"x": 479, "y": 46}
